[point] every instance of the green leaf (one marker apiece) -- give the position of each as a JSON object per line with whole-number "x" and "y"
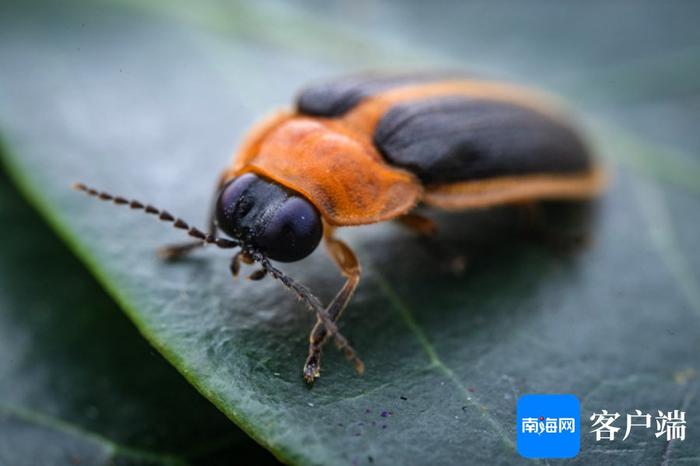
{"x": 77, "y": 378}
{"x": 29, "y": 439}
{"x": 149, "y": 104}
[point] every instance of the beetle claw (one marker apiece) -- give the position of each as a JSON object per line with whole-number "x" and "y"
{"x": 312, "y": 370}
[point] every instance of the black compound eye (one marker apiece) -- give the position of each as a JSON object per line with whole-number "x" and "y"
{"x": 233, "y": 203}
{"x": 292, "y": 232}
{"x": 265, "y": 215}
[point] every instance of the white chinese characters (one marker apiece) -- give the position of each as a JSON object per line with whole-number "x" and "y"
{"x": 671, "y": 424}
{"x": 549, "y": 425}
{"x": 605, "y": 430}
{"x": 631, "y": 422}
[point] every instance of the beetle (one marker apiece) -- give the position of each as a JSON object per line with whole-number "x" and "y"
{"x": 370, "y": 148}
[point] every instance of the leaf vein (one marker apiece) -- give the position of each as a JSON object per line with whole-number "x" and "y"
{"x": 435, "y": 361}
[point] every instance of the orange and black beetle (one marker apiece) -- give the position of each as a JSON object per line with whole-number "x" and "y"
{"x": 366, "y": 149}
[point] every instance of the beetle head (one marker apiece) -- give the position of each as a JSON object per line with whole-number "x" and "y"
{"x": 268, "y": 217}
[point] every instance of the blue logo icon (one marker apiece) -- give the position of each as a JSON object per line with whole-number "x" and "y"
{"x": 549, "y": 426}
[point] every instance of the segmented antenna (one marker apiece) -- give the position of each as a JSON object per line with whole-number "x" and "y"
{"x": 315, "y": 306}
{"x": 163, "y": 215}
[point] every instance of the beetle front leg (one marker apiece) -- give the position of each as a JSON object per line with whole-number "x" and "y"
{"x": 349, "y": 266}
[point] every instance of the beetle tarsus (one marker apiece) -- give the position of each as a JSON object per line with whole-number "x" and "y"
{"x": 349, "y": 266}
{"x": 312, "y": 367}
{"x": 359, "y": 366}
{"x": 176, "y": 251}
{"x": 235, "y": 266}
{"x": 257, "y": 275}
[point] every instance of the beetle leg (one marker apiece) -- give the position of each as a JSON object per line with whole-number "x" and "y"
{"x": 175, "y": 251}
{"x": 560, "y": 234}
{"x": 418, "y": 223}
{"x": 257, "y": 275}
{"x": 427, "y": 229}
{"x": 349, "y": 266}
{"x": 235, "y": 265}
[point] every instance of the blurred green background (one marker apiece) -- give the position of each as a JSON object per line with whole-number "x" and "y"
{"x": 150, "y": 99}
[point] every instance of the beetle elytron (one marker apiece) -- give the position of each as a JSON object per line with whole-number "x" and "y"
{"x": 366, "y": 149}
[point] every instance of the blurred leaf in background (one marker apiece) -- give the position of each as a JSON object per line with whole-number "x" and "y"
{"x": 149, "y": 99}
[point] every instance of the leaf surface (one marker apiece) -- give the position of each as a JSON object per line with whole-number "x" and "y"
{"x": 149, "y": 104}
{"x": 78, "y": 384}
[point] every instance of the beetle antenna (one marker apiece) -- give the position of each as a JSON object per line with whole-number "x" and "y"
{"x": 161, "y": 214}
{"x": 313, "y": 304}
{"x": 300, "y": 290}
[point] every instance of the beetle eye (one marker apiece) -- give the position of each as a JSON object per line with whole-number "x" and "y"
{"x": 284, "y": 225}
{"x": 292, "y": 232}
{"x": 233, "y": 204}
